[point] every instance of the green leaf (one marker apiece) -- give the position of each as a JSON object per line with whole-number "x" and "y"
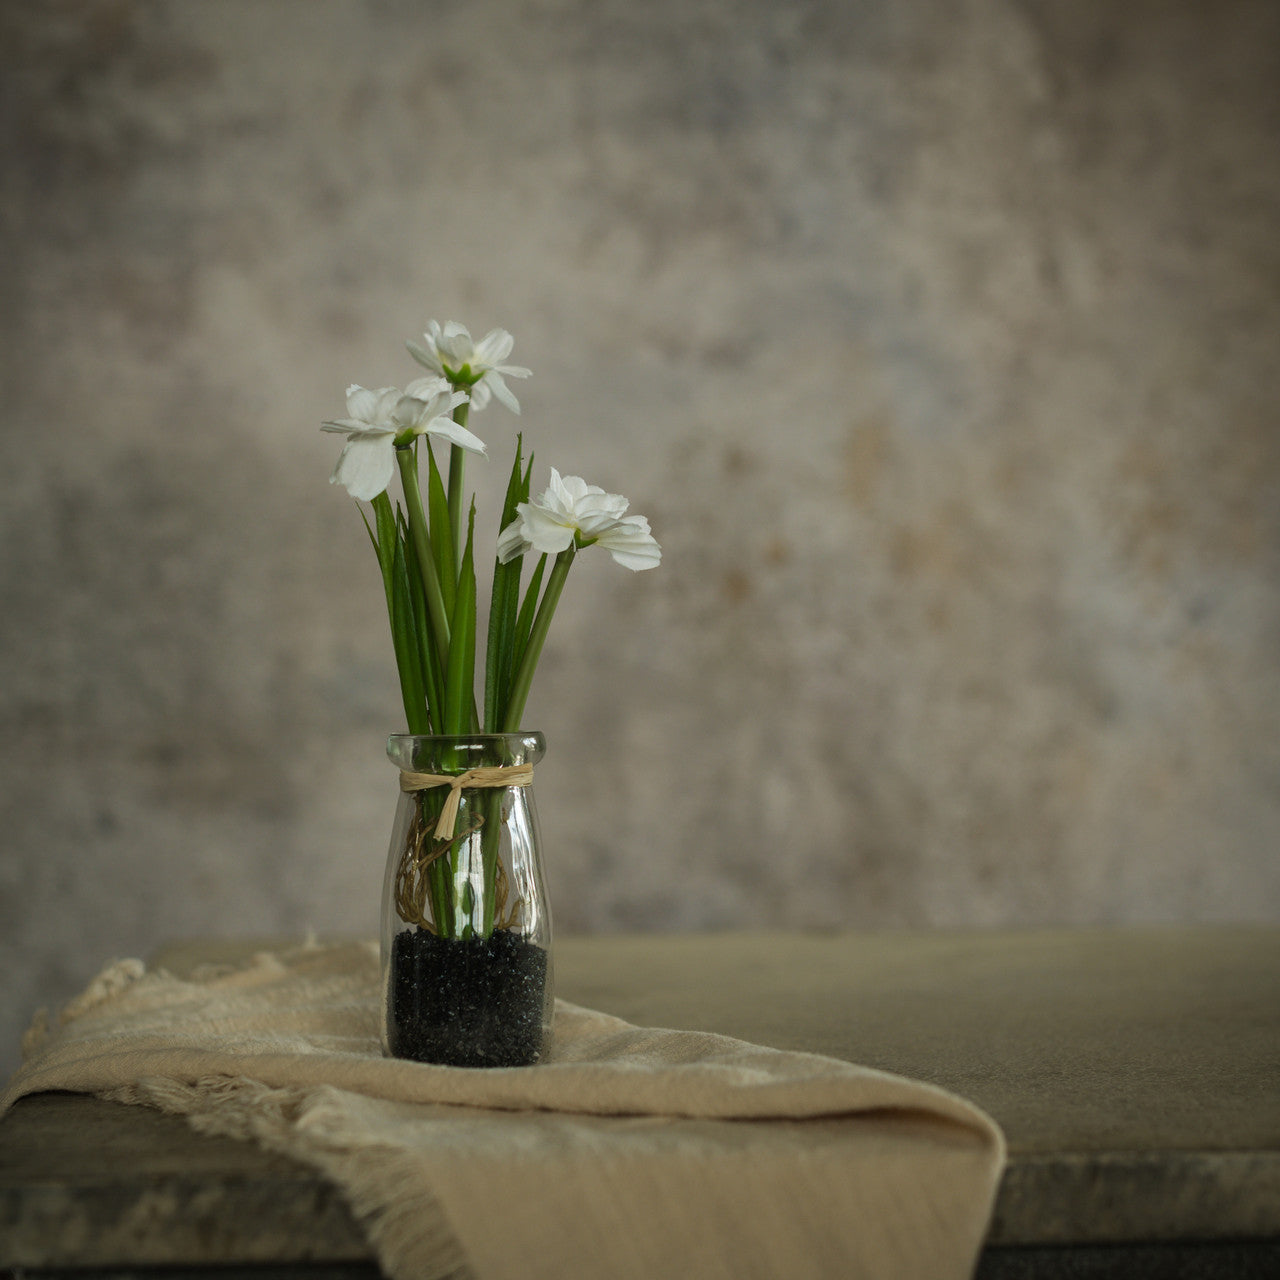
{"x": 504, "y": 603}
{"x": 368, "y": 528}
{"x": 457, "y": 467}
{"x": 524, "y": 623}
{"x": 523, "y": 680}
{"x": 459, "y": 689}
{"x": 424, "y": 650}
{"x": 404, "y": 635}
{"x": 437, "y": 614}
{"x": 403, "y": 640}
{"x": 385, "y": 541}
{"x": 441, "y": 525}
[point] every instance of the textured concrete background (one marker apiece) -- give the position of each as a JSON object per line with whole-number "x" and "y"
{"x": 938, "y": 341}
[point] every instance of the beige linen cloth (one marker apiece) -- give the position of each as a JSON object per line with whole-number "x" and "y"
{"x": 627, "y": 1153}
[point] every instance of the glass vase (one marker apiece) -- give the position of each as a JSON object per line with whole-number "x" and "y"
{"x": 466, "y": 927}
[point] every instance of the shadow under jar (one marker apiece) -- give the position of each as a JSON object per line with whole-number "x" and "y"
{"x": 466, "y": 927}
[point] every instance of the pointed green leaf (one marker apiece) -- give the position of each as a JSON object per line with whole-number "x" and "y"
{"x": 459, "y": 691}
{"x": 442, "y": 540}
{"x": 373, "y": 537}
{"x": 437, "y": 614}
{"x": 528, "y": 610}
{"x": 403, "y": 639}
{"x": 386, "y": 538}
{"x": 424, "y": 649}
{"x": 504, "y": 603}
{"x": 457, "y": 468}
{"x": 406, "y": 642}
{"x": 522, "y": 681}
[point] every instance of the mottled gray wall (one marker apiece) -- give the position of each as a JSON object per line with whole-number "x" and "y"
{"x": 938, "y": 340}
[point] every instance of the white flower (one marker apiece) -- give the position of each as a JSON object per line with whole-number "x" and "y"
{"x": 450, "y": 353}
{"x": 387, "y": 417}
{"x": 573, "y": 511}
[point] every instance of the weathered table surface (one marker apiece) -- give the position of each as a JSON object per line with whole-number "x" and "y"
{"x": 1136, "y": 1074}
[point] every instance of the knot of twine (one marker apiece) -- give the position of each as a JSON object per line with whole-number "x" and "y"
{"x": 506, "y": 775}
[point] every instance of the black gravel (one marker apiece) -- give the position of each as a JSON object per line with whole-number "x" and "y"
{"x": 474, "y": 1003}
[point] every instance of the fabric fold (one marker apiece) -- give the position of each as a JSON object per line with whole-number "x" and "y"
{"x": 627, "y": 1152}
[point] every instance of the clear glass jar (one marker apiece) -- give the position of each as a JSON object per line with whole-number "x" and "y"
{"x": 466, "y": 927}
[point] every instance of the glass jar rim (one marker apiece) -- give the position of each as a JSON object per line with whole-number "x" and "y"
{"x": 532, "y": 734}
{"x": 413, "y": 750}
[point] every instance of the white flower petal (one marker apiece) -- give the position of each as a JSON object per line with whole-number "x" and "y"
{"x": 388, "y": 398}
{"x": 570, "y": 506}
{"x": 493, "y": 381}
{"x": 347, "y": 425}
{"x": 426, "y": 356}
{"x": 413, "y": 413}
{"x": 453, "y": 347}
{"x": 598, "y": 503}
{"x": 366, "y": 464}
{"x": 632, "y": 545}
{"x": 556, "y": 496}
{"x": 593, "y": 524}
{"x": 449, "y": 430}
{"x": 511, "y": 542}
{"x": 579, "y": 491}
{"x": 362, "y": 403}
{"x": 542, "y": 530}
{"x": 455, "y": 343}
{"x": 589, "y": 502}
{"x": 427, "y": 388}
{"x": 494, "y": 347}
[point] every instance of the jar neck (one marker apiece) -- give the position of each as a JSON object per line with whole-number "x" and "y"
{"x": 422, "y": 753}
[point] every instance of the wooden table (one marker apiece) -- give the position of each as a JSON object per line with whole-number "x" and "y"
{"x": 1136, "y": 1074}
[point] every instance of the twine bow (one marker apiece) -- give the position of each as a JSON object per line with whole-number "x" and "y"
{"x": 507, "y": 775}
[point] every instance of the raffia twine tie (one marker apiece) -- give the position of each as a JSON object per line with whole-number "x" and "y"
{"x": 506, "y": 775}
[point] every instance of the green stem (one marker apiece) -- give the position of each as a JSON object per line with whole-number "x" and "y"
{"x": 440, "y": 529}
{"x": 422, "y": 545}
{"x": 398, "y": 589}
{"x": 460, "y": 670}
{"x": 457, "y": 468}
{"x": 504, "y": 608}
{"x": 441, "y": 888}
{"x": 521, "y": 685}
{"x": 490, "y": 840}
